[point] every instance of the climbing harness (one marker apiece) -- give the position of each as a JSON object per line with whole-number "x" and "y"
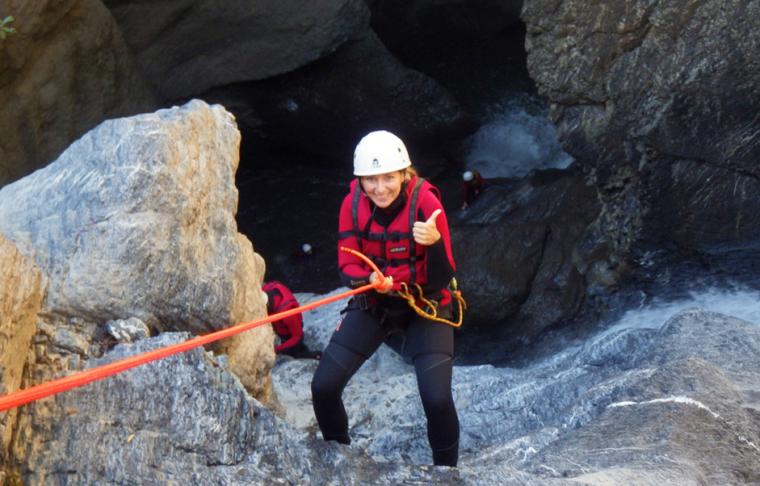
{"x": 431, "y": 313}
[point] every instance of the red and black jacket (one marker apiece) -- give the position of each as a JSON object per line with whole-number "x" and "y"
{"x": 280, "y": 299}
{"x": 385, "y": 236}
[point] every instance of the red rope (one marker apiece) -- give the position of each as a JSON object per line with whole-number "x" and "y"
{"x": 43, "y": 390}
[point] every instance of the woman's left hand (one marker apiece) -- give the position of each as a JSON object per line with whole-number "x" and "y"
{"x": 425, "y": 232}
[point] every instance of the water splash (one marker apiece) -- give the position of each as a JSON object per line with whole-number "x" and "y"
{"x": 517, "y": 139}
{"x": 740, "y": 302}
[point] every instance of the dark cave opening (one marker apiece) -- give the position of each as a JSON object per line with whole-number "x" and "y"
{"x": 289, "y": 194}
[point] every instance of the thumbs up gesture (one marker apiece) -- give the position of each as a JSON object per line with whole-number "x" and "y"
{"x": 425, "y": 232}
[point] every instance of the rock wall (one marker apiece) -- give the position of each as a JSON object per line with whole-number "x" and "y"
{"x": 21, "y": 294}
{"x": 659, "y": 102}
{"x": 65, "y": 70}
{"x": 326, "y": 107}
{"x": 136, "y": 220}
{"x": 517, "y": 253}
{"x": 186, "y": 47}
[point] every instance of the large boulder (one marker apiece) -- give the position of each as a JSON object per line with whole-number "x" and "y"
{"x": 186, "y": 47}
{"x": 21, "y": 293}
{"x": 658, "y": 100}
{"x": 136, "y": 219}
{"x": 64, "y": 70}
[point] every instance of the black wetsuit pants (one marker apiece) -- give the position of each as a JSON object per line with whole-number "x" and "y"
{"x": 428, "y": 344}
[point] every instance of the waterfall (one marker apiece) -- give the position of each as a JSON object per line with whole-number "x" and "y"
{"x": 516, "y": 138}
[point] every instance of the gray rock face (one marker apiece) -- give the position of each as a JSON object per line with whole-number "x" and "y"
{"x": 186, "y": 419}
{"x": 65, "y": 70}
{"x": 186, "y": 47}
{"x": 660, "y": 100}
{"x": 516, "y": 251}
{"x": 674, "y": 403}
{"x": 137, "y": 219}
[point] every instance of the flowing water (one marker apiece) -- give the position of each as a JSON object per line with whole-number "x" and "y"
{"x": 516, "y": 139}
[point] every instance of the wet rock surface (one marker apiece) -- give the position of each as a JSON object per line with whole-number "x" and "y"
{"x": 516, "y": 250}
{"x": 673, "y": 401}
{"x": 636, "y": 90}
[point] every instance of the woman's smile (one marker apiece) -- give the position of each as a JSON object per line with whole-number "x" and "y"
{"x": 383, "y": 189}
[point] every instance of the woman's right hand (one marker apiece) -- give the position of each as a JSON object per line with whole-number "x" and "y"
{"x": 385, "y": 287}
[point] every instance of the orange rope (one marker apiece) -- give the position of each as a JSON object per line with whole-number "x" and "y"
{"x": 21, "y": 397}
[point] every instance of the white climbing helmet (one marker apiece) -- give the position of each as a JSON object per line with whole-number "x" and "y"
{"x": 467, "y": 176}
{"x": 306, "y": 249}
{"x": 380, "y": 152}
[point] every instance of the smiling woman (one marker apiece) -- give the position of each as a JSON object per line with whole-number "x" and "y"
{"x": 396, "y": 219}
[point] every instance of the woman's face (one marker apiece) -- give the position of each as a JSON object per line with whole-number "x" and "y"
{"x": 383, "y": 189}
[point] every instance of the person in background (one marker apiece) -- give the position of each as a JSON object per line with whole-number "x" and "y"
{"x": 473, "y": 185}
{"x": 396, "y": 219}
{"x": 279, "y": 298}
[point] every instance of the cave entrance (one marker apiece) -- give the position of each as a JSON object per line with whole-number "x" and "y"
{"x": 289, "y": 197}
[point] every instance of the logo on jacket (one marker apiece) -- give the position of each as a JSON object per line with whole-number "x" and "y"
{"x": 398, "y": 249}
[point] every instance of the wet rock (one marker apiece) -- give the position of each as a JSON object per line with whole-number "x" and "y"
{"x": 64, "y": 70}
{"x": 673, "y": 401}
{"x": 186, "y": 47}
{"x": 701, "y": 207}
{"x": 658, "y": 101}
{"x": 516, "y": 251}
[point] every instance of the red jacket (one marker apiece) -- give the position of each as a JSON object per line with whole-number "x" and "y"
{"x": 392, "y": 247}
{"x": 289, "y": 329}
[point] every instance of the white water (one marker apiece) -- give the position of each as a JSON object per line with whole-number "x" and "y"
{"x": 517, "y": 139}
{"x": 743, "y": 303}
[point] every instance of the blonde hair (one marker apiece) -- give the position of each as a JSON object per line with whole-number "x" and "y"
{"x": 410, "y": 172}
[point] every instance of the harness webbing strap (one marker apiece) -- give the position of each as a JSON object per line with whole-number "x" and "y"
{"x": 412, "y": 219}
{"x": 355, "y": 210}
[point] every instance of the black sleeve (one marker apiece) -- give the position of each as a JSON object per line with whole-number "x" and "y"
{"x": 439, "y": 271}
